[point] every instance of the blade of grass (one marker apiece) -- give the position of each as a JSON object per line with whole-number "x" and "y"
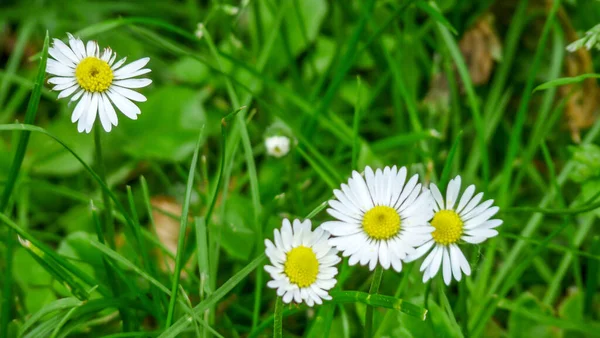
{"x": 12, "y": 177}
{"x": 182, "y": 230}
{"x": 57, "y": 305}
{"x": 449, "y": 160}
{"x": 344, "y": 66}
{"x": 356, "y": 126}
{"x": 463, "y": 72}
{"x": 517, "y": 128}
{"x": 213, "y": 298}
{"x": 563, "y": 81}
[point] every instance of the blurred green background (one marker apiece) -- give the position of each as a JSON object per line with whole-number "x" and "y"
{"x": 352, "y": 83}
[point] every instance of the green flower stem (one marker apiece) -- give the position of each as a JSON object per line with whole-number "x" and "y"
{"x": 108, "y": 223}
{"x": 278, "y": 322}
{"x": 372, "y": 290}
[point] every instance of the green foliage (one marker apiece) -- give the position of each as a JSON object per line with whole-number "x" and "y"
{"x": 351, "y": 84}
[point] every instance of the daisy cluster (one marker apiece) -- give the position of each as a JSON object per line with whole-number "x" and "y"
{"x": 382, "y": 217}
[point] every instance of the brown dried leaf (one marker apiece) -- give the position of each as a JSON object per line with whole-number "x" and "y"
{"x": 581, "y": 109}
{"x": 167, "y": 228}
{"x": 480, "y": 47}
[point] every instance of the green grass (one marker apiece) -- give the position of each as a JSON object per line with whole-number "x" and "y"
{"x": 85, "y": 219}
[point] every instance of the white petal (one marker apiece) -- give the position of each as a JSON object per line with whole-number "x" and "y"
{"x": 452, "y": 193}
{"x": 466, "y": 197}
{"x": 77, "y": 46}
{"x": 67, "y": 92}
{"x": 57, "y": 68}
{"x": 384, "y": 255}
{"x": 437, "y": 196}
{"x": 91, "y": 48}
{"x": 134, "y": 74}
{"x": 434, "y": 267}
{"x": 360, "y": 190}
{"x": 124, "y": 105}
{"x": 477, "y": 232}
{"x": 104, "y": 120}
{"x": 66, "y": 51}
{"x": 91, "y": 114}
{"x": 58, "y": 56}
{"x": 118, "y": 64}
{"x": 81, "y": 107}
{"x": 128, "y": 93}
{"x": 472, "y": 204}
{"x": 132, "y": 83}
{"x": 420, "y": 251}
{"x": 61, "y": 80}
{"x": 447, "y": 270}
{"x": 455, "y": 261}
{"x": 484, "y": 216}
{"x": 110, "y": 111}
{"x": 132, "y": 67}
{"x": 477, "y": 211}
{"x": 77, "y": 95}
{"x": 370, "y": 180}
{"x": 427, "y": 261}
{"x": 408, "y": 189}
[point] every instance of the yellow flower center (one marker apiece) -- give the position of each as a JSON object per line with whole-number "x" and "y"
{"x": 448, "y": 227}
{"x": 381, "y": 222}
{"x": 93, "y": 74}
{"x": 301, "y": 266}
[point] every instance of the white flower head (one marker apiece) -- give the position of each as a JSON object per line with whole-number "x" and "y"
{"x": 96, "y": 81}
{"x": 277, "y": 146}
{"x": 302, "y": 263}
{"x": 455, "y": 220}
{"x": 380, "y": 218}
{"x": 588, "y": 41}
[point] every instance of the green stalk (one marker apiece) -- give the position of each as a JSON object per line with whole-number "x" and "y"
{"x": 108, "y": 224}
{"x": 377, "y": 274}
{"x": 278, "y": 322}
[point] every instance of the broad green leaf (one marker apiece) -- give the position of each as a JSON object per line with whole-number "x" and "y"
{"x": 181, "y": 114}
{"x": 236, "y": 228}
{"x": 587, "y": 162}
{"x": 520, "y": 326}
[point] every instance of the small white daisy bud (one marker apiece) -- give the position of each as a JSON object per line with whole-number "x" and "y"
{"x": 199, "y": 31}
{"x": 231, "y": 10}
{"x": 277, "y": 146}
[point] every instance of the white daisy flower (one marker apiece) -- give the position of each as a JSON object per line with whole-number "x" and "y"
{"x": 380, "y": 219}
{"x": 455, "y": 220}
{"x": 303, "y": 263}
{"x": 277, "y": 146}
{"x": 96, "y": 81}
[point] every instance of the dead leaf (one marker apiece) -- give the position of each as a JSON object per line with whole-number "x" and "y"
{"x": 166, "y": 213}
{"x": 581, "y": 109}
{"x": 480, "y": 48}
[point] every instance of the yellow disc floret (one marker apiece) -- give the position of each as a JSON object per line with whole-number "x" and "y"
{"x": 381, "y": 222}
{"x": 448, "y": 227}
{"x": 301, "y": 266}
{"x": 94, "y": 75}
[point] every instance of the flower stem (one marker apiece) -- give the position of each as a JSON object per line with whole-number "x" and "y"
{"x": 107, "y": 218}
{"x": 278, "y": 320}
{"x": 377, "y": 274}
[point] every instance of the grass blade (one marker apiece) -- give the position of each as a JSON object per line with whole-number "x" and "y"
{"x": 182, "y": 228}
{"x": 183, "y": 323}
{"x": 11, "y": 180}
{"x": 563, "y": 81}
